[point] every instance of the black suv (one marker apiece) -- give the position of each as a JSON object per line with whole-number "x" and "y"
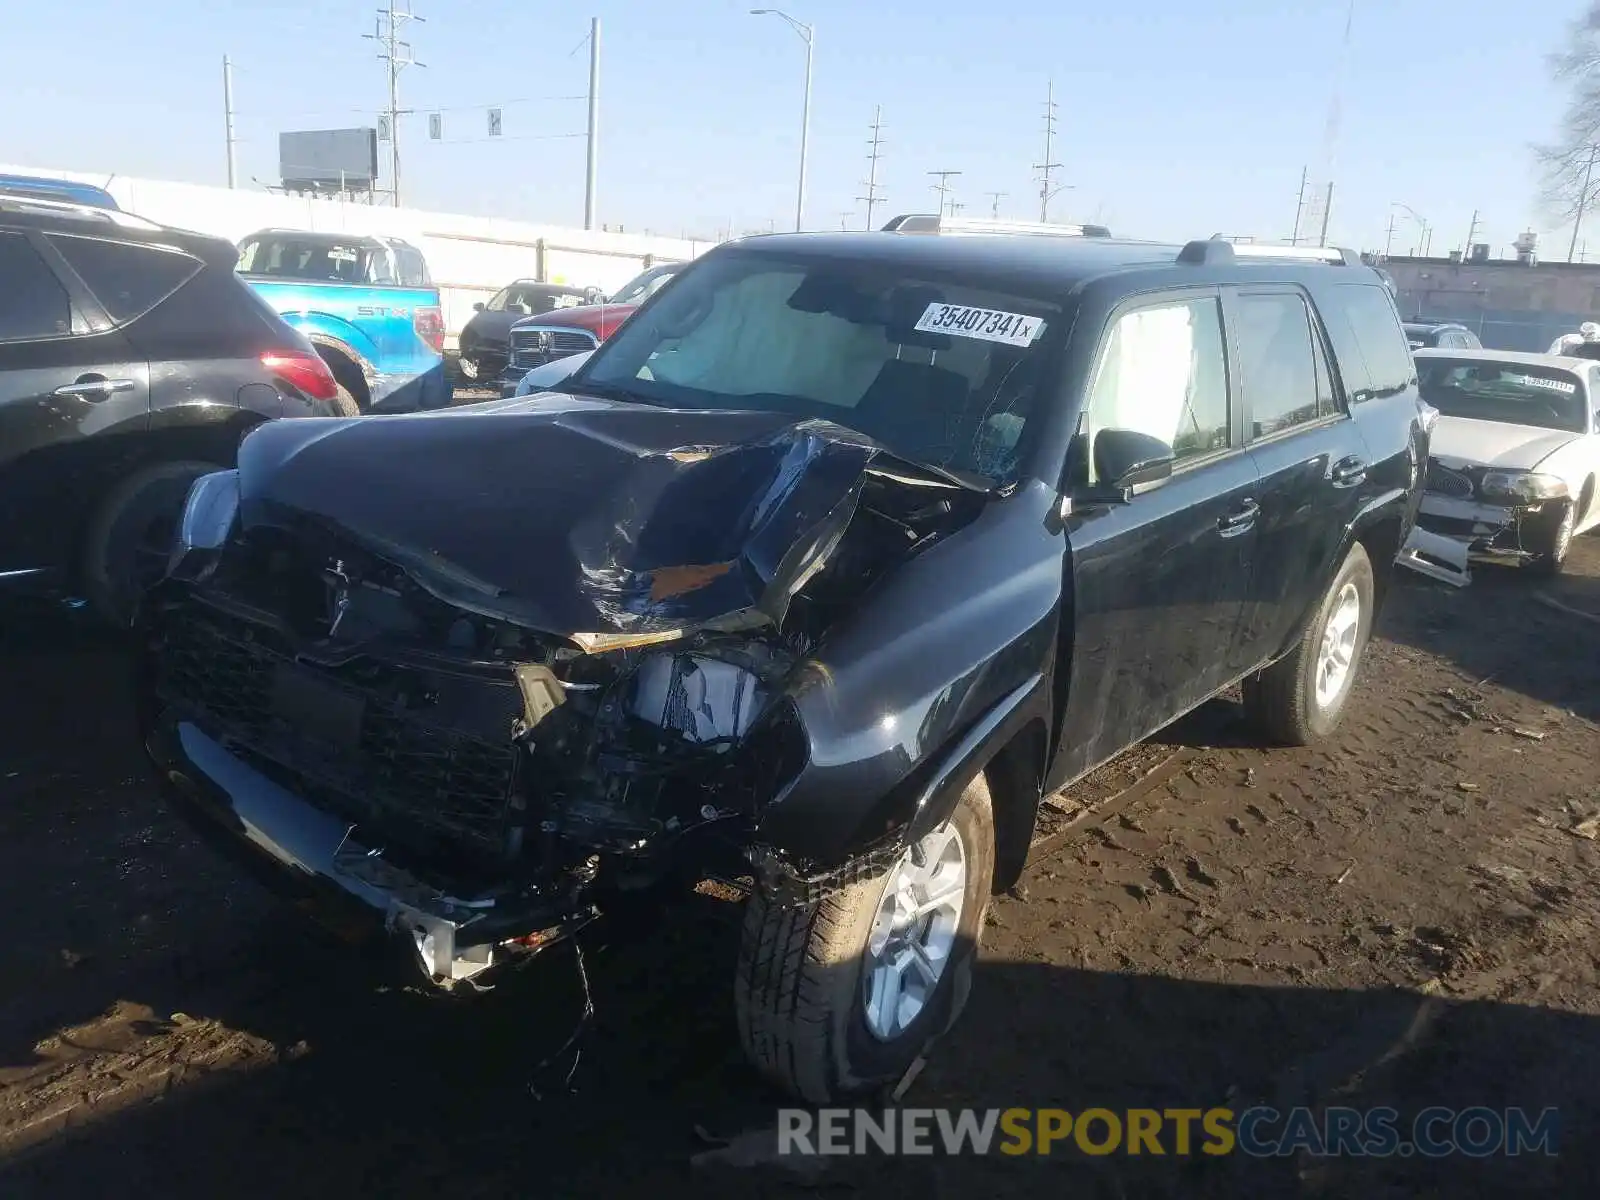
{"x": 132, "y": 360}
{"x": 821, "y": 572}
{"x": 1429, "y": 335}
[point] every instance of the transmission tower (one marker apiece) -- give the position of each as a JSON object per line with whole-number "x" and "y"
{"x": 396, "y": 53}
{"x": 944, "y": 189}
{"x": 1049, "y": 165}
{"x": 871, "y": 198}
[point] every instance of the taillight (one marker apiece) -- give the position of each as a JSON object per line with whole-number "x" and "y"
{"x": 428, "y": 321}
{"x": 304, "y": 371}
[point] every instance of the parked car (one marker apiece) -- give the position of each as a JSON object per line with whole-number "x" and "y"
{"x": 486, "y": 338}
{"x": 132, "y": 360}
{"x": 822, "y": 570}
{"x": 1515, "y": 455}
{"x": 366, "y": 303}
{"x": 45, "y": 188}
{"x": 547, "y": 337}
{"x": 1423, "y": 335}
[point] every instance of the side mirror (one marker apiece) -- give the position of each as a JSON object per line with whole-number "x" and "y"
{"x": 1125, "y": 458}
{"x": 478, "y": 307}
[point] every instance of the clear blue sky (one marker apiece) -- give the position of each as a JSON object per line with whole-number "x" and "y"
{"x": 1176, "y": 118}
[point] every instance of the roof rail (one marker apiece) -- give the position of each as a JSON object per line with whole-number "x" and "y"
{"x": 74, "y": 208}
{"x": 1211, "y": 251}
{"x": 933, "y": 223}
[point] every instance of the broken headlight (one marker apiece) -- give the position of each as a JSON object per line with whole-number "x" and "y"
{"x": 702, "y": 700}
{"x": 208, "y": 518}
{"x": 1521, "y": 487}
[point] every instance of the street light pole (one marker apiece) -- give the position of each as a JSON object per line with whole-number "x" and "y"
{"x": 807, "y": 34}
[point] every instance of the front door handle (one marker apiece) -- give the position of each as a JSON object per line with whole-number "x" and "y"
{"x": 95, "y": 387}
{"x": 1348, "y": 472}
{"x": 1239, "y": 520}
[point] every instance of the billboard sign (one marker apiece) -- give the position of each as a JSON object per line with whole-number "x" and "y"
{"x": 329, "y": 158}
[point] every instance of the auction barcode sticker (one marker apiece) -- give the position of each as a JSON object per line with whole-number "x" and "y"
{"x": 1555, "y": 385}
{"x": 987, "y": 324}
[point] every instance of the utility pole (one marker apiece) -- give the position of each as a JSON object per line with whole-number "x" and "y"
{"x": 1583, "y": 202}
{"x": 1472, "y": 232}
{"x": 807, "y": 34}
{"x": 1388, "y": 238}
{"x": 871, "y": 198}
{"x": 227, "y": 108}
{"x": 1300, "y": 207}
{"x": 943, "y": 188}
{"x": 397, "y": 54}
{"x": 1048, "y": 165}
{"x": 1327, "y": 211}
{"x": 994, "y": 203}
{"x": 592, "y": 174}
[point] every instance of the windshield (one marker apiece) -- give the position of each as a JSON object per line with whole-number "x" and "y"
{"x": 1515, "y": 393}
{"x": 543, "y": 298}
{"x": 319, "y": 259}
{"x": 938, "y": 373}
{"x": 642, "y": 286}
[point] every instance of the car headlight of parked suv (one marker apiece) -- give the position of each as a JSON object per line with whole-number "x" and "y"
{"x": 208, "y": 518}
{"x": 1521, "y": 487}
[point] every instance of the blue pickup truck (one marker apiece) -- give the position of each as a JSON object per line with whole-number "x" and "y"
{"x": 367, "y": 305}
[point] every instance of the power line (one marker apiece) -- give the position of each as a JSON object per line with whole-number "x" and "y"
{"x": 871, "y": 198}
{"x": 396, "y": 53}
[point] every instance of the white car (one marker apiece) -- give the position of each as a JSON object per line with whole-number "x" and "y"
{"x": 1515, "y": 454}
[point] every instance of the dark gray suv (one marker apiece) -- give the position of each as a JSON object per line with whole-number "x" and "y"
{"x": 132, "y": 360}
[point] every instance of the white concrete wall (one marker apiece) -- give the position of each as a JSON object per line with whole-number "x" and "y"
{"x": 470, "y": 258}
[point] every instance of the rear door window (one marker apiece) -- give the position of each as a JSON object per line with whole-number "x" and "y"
{"x": 127, "y": 279}
{"x": 33, "y": 304}
{"x": 1278, "y": 362}
{"x": 413, "y": 270}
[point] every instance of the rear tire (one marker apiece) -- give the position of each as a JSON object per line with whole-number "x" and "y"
{"x": 130, "y": 534}
{"x": 1299, "y": 699}
{"x": 801, "y": 995}
{"x": 344, "y": 404}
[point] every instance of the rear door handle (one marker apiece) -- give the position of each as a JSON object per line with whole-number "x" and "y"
{"x": 1241, "y": 519}
{"x": 95, "y": 387}
{"x": 1348, "y": 472}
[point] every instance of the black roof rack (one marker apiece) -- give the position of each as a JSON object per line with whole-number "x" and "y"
{"x": 933, "y": 223}
{"x": 1213, "y": 251}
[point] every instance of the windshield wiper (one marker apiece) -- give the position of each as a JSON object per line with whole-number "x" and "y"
{"x": 605, "y": 391}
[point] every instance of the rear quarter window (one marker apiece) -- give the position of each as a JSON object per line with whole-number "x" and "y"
{"x": 1374, "y": 355}
{"x": 127, "y": 278}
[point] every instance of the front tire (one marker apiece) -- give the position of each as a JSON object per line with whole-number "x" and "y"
{"x": 840, "y": 996}
{"x": 1299, "y": 699}
{"x": 1552, "y": 558}
{"x": 130, "y": 535}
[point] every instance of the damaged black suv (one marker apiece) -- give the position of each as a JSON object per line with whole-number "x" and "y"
{"x": 825, "y": 568}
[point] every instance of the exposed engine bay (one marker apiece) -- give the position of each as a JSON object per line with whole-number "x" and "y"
{"x": 525, "y": 769}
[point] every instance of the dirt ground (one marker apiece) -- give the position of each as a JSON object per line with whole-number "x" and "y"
{"x": 1406, "y": 917}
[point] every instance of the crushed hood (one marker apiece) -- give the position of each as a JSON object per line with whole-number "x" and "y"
{"x": 1465, "y": 442}
{"x": 578, "y": 516}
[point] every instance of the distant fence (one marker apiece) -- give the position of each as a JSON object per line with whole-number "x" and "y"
{"x": 1497, "y": 329}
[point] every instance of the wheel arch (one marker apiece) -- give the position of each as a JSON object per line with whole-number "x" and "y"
{"x": 349, "y": 367}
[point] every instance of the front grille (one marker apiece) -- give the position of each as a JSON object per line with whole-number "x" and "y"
{"x": 534, "y": 347}
{"x": 1445, "y": 482}
{"x": 432, "y": 753}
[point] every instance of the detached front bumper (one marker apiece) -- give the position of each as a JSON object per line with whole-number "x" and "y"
{"x": 1490, "y": 532}
{"x": 342, "y": 877}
